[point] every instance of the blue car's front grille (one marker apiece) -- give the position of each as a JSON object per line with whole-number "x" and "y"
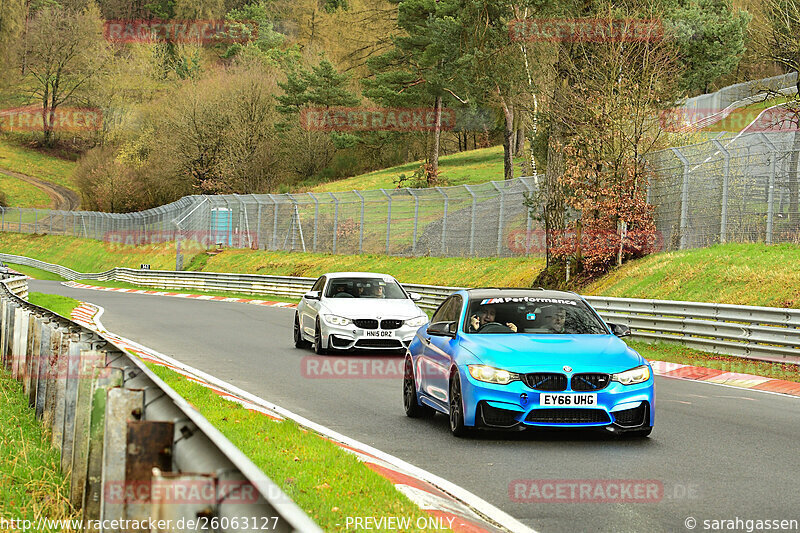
{"x": 568, "y": 416}
{"x": 545, "y": 381}
{"x": 590, "y": 382}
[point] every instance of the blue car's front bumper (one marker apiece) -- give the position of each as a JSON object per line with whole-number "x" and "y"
{"x": 517, "y": 406}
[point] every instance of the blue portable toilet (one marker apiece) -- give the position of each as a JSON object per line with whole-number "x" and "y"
{"x": 222, "y": 225}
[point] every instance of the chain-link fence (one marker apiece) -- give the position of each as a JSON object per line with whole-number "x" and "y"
{"x": 489, "y": 219}
{"x": 706, "y": 109}
{"x": 741, "y": 188}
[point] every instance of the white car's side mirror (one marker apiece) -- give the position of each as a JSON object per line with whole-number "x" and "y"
{"x": 415, "y": 296}
{"x": 312, "y": 295}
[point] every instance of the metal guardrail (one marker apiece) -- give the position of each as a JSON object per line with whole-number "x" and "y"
{"x": 762, "y": 333}
{"x": 133, "y": 447}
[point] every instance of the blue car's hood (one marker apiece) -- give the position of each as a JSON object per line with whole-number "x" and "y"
{"x": 549, "y": 353}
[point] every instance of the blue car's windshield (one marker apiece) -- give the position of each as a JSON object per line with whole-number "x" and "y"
{"x": 530, "y": 314}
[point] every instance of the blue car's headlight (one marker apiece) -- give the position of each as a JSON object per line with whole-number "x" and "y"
{"x": 492, "y": 375}
{"x": 337, "y": 320}
{"x": 640, "y": 374}
{"x": 417, "y": 322}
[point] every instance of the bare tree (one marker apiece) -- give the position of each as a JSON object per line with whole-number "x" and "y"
{"x": 65, "y": 52}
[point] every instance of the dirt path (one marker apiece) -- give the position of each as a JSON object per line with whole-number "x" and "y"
{"x": 63, "y": 198}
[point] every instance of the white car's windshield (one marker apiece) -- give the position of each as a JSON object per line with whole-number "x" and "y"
{"x": 364, "y": 288}
{"x": 532, "y": 315}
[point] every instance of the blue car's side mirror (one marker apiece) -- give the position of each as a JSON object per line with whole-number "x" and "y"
{"x": 620, "y": 330}
{"x": 442, "y": 329}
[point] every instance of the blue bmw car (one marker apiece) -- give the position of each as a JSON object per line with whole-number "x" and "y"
{"x": 520, "y": 358}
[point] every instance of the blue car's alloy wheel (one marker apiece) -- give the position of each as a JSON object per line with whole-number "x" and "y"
{"x": 410, "y": 402}
{"x": 457, "y": 426}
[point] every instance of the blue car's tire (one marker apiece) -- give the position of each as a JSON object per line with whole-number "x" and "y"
{"x": 410, "y": 400}
{"x": 318, "y": 340}
{"x": 457, "y": 427}
{"x": 299, "y": 341}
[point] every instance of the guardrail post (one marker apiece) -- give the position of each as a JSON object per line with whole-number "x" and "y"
{"x": 149, "y": 446}
{"x": 444, "y": 220}
{"x": 6, "y": 328}
{"x": 51, "y": 375}
{"x": 726, "y": 172}
{"x": 361, "y": 226}
{"x": 684, "y": 227}
{"x": 89, "y": 360}
{"x": 32, "y": 363}
{"x": 122, "y": 406}
{"x": 43, "y": 356}
{"x": 771, "y": 187}
{"x": 20, "y": 343}
{"x": 62, "y": 370}
{"x": 388, "y": 219}
{"x": 104, "y": 379}
{"x": 472, "y": 221}
{"x": 76, "y": 349}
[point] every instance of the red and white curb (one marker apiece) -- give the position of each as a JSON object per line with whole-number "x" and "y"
{"x": 253, "y": 301}
{"x": 458, "y": 509}
{"x": 728, "y": 379}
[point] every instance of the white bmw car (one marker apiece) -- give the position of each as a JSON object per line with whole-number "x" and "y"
{"x": 357, "y": 310}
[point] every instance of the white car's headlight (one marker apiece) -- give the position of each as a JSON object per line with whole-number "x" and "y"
{"x": 492, "y": 375}
{"x": 337, "y": 320}
{"x": 640, "y": 374}
{"x": 417, "y": 322}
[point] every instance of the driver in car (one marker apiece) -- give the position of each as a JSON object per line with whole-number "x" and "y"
{"x": 485, "y": 315}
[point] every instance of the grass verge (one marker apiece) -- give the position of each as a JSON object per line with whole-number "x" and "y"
{"x": 325, "y": 481}
{"x": 35, "y": 273}
{"x": 22, "y": 194}
{"x": 97, "y": 256}
{"x": 743, "y": 274}
{"x": 31, "y": 485}
{"x": 675, "y": 353}
{"x": 46, "y": 167}
{"x": 471, "y": 166}
{"x": 63, "y": 305}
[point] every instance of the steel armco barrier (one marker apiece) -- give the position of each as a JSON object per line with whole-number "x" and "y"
{"x": 120, "y": 430}
{"x": 763, "y": 333}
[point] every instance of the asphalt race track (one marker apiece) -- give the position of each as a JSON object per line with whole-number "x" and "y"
{"x": 720, "y": 452}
